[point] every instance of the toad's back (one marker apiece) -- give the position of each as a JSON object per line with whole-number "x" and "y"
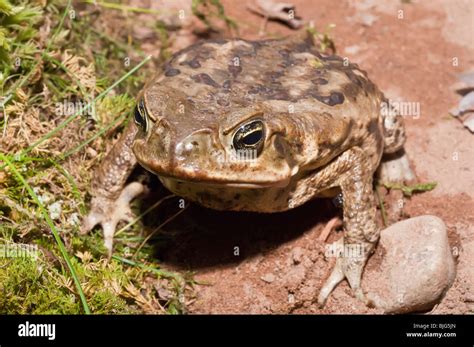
{"x": 217, "y": 76}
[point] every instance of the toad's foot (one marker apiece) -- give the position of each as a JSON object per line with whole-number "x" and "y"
{"x": 395, "y": 168}
{"x": 108, "y": 212}
{"x": 349, "y": 264}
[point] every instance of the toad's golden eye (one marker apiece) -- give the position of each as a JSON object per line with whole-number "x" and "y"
{"x": 250, "y": 136}
{"x": 140, "y": 116}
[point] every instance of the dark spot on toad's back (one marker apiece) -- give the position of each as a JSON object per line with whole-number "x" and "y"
{"x": 258, "y": 89}
{"x": 319, "y": 81}
{"x": 193, "y": 63}
{"x": 170, "y": 72}
{"x": 278, "y": 94}
{"x": 274, "y": 75}
{"x": 205, "y": 79}
{"x": 351, "y": 91}
{"x": 353, "y": 78}
{"x": 285, "y": 53}
{"x": 227, "y": 84}
{"x": 332, "y": 99}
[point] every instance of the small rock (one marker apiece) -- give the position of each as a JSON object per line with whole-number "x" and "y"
{"x": 297, "y": 255}
{"x": 269, "y": 278}
{"x": 417, "y": 268}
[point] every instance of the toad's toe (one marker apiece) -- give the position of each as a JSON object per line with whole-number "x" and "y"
{"x": 109, "y": 212}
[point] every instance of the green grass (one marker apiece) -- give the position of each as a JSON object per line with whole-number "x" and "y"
{"x": 412, "y": 189}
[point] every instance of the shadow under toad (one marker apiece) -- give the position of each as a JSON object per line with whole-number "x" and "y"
{"x": 199, "y": 237}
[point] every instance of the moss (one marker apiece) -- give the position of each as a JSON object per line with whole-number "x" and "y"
{"x": 28, "y": 287}
{"x": 35, "y": 287}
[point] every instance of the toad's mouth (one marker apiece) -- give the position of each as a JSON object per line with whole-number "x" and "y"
{"x": 204, "y": 178}
{"x": 238, "y": 177}
{"x": 221, "y": 183}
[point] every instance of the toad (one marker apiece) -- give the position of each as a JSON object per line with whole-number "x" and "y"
{"x": 261, "y": 126}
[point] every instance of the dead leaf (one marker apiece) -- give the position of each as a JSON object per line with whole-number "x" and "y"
{"x": 469, "y": 122}
{"x": 465, "y": 109}
{"x": 467, "y": 78}
{"x": 281, "y": 11}
{"x": 466, "y": 103}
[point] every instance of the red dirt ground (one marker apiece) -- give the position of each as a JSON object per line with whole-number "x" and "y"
{"x": 280, "y": 265}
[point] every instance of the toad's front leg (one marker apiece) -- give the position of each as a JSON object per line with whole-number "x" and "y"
{"x": 110, "y": 200}
{"x": 362, "y": 233}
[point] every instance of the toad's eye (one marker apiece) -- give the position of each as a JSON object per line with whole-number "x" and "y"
{"x": 250, "y": 136}
{"x": 140, "y": 116}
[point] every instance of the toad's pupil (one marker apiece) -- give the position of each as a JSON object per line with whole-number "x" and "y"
{"x": 252, "y": 138}
{"x": 138, "y": 117}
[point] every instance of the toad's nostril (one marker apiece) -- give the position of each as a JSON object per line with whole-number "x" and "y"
{"x": 184, "y": 149}
{"x": 190, "y": 146}
{"x": 195, "y": 146}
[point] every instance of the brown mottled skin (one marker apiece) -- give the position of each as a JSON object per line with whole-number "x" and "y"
{"x": 323, "y": 134}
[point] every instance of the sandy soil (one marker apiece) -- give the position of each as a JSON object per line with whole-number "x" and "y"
{"x": 251, "y": 263}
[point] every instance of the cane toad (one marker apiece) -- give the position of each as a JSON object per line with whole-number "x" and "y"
{"x": 259, "y": 126}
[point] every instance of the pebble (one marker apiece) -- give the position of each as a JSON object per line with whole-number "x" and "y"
{"x": 269, "y": 278}
{"x": 417, "y": 268}
{"x": 297, "y": 255}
